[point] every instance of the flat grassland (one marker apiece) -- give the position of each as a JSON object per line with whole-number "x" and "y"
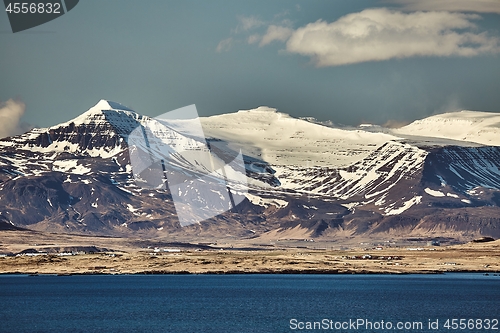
{"x": 126, "y": 256}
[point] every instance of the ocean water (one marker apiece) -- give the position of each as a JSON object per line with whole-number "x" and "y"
{"x": 249, "y": 303}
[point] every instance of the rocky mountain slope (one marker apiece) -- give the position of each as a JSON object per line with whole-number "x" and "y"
{"x": 305, "y": 180}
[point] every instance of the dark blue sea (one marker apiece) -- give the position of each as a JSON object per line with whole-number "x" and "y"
{"x": 250, "y": 303}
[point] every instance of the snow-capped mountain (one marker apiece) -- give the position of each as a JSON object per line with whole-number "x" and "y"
{"x": 472, "y": 126}
{"x": 280, "y": 139}
{"x": 437, "y": 177}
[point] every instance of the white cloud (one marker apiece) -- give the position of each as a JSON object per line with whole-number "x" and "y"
{"x": 247, "y": 23}
{"x": 382, "y": 34}
{"x": 224, "y": 45}
{"x": 10, "y": 117}
{"x": 480, "y": 6}
{"x": 274, "y": 33}
{"x": 250, "y": 28}
{"x": 253, "y": 39}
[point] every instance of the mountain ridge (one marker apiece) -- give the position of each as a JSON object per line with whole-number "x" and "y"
{"x": 332, "y": 183}
{"x": 473, "y": 126}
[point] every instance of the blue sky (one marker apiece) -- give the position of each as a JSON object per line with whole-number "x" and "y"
{"x": 349, "y": 61}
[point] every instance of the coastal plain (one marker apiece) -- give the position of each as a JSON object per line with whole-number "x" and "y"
{"x": 62, "y": 254}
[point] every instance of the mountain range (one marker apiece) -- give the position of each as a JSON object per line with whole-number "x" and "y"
{"x": 438, "y": 177}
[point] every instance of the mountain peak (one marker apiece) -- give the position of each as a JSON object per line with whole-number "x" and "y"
{"x": 104, "y": 105}
{"x": 99, "y": 131}
{"x": 96, "y": 114}
{"x": 262, "y": 109}
{"x": 115, "y": 105}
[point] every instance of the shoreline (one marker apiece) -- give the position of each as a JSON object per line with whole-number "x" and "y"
{"x": 290, "y": 261}
{"x": 277, "y": 272}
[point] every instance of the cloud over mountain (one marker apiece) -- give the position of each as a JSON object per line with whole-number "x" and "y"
{"x": 275, "y": 33}
{"x": 382, "y": 34}
{"x": 11, "y": 112}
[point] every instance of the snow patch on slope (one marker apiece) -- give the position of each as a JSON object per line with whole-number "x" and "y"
{"x": 264, "y": 202}
{"x": 70, "y": 166}
{"x": 434, "y": 193}
{"x": 407, "y": 205}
